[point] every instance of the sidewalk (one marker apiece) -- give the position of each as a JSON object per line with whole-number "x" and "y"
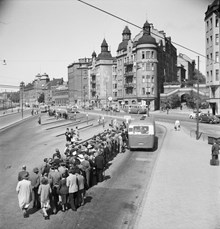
{"x": 184, "y": 188}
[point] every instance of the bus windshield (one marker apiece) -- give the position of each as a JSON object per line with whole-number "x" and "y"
{"x": 139, "y": 129}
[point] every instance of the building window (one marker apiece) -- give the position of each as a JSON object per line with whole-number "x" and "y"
{"x": 152, "y": 79}
{"x": 143, "y": 55}
{"x": 210, "y": 40}
{"x": 207, "y": 25}
{"x": 217, "y": 57}
{"x": 207, "y": 57}
{"x": 217, "y": 39}
{"x": 148, "y": 66}
{"x": 152, "y": 66}
{"x": 210, "y": 23}
{"x": 207, "y": 41}
{"x": 216, "y": 21}
{"x": 211, "y": 58}
{"x": 207, "y": 73}
{"x": 217, "y": 74}
{"x": 152, "y": 90}
{"x": 211, "y": 76}
{"x": 143, "y": 91}
{"x": 143, "y": 79}
{"x": 152, "y": 54}
{"x": 147, "y": 54}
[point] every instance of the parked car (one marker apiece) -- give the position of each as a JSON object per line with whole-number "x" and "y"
{"x": 209, "y": 118}
{"x": 193, "y": 115}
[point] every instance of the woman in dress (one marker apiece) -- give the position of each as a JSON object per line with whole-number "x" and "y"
{"x": 44, "y": 192}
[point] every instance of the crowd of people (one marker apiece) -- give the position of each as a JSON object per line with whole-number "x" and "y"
{"x": 61, "y": 183}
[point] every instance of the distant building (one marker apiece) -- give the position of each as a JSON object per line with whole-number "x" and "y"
{"x": 60, "y": 95}
{"x": 40, "y": 85}
{"x": 79, "y": 81}
{"x": 188, "y": 64}
{"x": 212, "y": 28}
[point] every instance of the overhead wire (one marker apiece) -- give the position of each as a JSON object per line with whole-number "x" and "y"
{"x": 115, "y": 16}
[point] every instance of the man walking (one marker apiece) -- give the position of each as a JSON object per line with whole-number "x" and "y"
{"x": 24, "y": 191}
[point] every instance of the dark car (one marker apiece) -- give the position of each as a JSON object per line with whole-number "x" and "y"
{"x": 208, "y": 118}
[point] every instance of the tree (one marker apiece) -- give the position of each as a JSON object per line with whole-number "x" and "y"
{"x": 41, "y": 98}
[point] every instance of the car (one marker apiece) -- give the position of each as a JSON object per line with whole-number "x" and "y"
{"x": 214, "y": 119}
{"x": 208, "y": 118}
{"x": 193, "y": 115}
{"x": 116, "y": 109}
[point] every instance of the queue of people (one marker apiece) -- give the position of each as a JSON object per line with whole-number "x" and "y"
{"x": 61, "y": 183}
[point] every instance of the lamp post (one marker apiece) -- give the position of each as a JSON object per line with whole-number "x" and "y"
{"x": 21, "y": 95}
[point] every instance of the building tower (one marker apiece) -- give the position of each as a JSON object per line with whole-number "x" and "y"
{"x": 212, "y": 53}
{"x": 146, "y": 68}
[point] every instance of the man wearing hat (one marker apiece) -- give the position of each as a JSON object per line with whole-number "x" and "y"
{"x": 22, "y": 173}
{"x": 35, "y": 182}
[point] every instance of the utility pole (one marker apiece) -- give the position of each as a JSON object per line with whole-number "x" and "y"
{"x": 197, "y": 105}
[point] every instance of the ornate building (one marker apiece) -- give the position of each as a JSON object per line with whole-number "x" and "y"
{"x": 137, "y": 69}
{"x": 101, "y": 77}
{"x": 212, "y": 53}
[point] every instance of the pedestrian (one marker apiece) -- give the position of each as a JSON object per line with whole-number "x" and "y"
{"x": 35, "y": 182}
{"x": 215, "y": 150}
{"x": 68, "y": 135}
{"x": 71, "y": 182}
{"x": 44, "y": 192}
{"x": 99, "y": 165}
{"x": 22, "y": 173}
{"x": 81, "y": 186}
{"x": 24, "y": 191}
{"x": 45, "y": 169}
{"x": 177, "y": 125}
{"x": 54, "y": 178}
{"x": 63, "y": 192}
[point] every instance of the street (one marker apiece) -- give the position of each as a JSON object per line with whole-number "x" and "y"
{"x": 113, "y": 203}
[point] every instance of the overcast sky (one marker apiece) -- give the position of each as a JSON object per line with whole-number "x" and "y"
{"x": 45, "y": 36}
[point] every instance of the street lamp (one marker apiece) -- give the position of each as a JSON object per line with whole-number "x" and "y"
{"x": 21, "y": 95}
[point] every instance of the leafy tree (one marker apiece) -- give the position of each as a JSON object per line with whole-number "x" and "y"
{"x": 41, "y": 98}
{"x": 175, "y": 101}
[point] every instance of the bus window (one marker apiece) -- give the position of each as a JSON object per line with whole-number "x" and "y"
{"x": 145, "y": 130}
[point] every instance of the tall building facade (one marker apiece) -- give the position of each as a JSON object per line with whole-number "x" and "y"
{"x": 79, "y": 82}
{"x": 212, "y": 53}
{"x": 101, "y": 77}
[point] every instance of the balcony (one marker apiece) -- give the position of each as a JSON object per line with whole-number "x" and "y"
{"x": 127, "y": 85}
{"x": 129, "y": 73}
{"x": 129, "y": 63}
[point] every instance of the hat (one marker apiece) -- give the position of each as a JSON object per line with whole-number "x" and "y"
{"x": 45, "y": 160}
{"x": 23, "y": 166}
{"x": 57, "y": 150}
{"x": 36, "y": 170}
{"x": 25, "y": 175}
{"x": 80, "y": 156}
{"x": 74, "y": 153}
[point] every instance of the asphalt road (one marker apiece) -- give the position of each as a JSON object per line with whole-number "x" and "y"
{"x": 113, "y": 203}
{"x": 110, "y": 204}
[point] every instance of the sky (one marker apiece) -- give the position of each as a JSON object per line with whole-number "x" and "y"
{"x": 45, "y": 36}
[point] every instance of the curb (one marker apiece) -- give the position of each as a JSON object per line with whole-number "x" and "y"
{"x": 16, "y": 123}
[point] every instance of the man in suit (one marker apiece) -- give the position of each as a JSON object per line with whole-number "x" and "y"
{"x": 215, "y": 150}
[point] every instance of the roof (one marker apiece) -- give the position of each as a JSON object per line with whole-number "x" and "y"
{"x": 105, "y": 56}
{"x": 146, "y": 39}
{"x": 126, "y": 30}
{"x": 123, "y": 45}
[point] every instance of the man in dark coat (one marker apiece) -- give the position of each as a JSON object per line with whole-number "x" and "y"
{"x": 215, "y": 150}
{"x": 99, "y": 165}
